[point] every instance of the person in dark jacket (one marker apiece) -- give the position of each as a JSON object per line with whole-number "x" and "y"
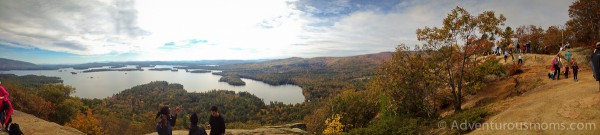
{"x": 217, "y": 123}
{"x": 575, "y": 69}
{"x": 194, "y": 128}
{"x": 167, "y": 121}
{"x": 595, "y": 63}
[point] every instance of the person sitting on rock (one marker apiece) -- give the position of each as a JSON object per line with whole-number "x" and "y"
{"x": 6, "y": 108}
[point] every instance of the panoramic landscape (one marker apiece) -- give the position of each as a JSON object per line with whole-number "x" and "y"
{"x": 299, "y": 67}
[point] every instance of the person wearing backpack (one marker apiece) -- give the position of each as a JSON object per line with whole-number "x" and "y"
{"x": 556, "y": 67}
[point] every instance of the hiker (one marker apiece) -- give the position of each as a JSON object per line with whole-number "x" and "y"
{"x": 551, "y": 73}
{"x": 568, "y": 55}
{"x": 520, "y": 59}
{"x": 567, "y": 71}
{"x": 6, "y": 108}
{"x": 194, "y": 128}
{"x": 167, "y": 121}
{"x": 505, "y": 56}
{"x": 217, "y": 123}
{"x": 575, "y": 69}
{"x": 556, "y": 68}
{"x": 3, "y": 93}
{"x": 595, "y": 63}
{"x": 499, "y": 51}
{"x": 518, "y": 49}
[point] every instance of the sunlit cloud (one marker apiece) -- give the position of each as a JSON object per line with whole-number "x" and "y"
{"x": 228, "y": 29}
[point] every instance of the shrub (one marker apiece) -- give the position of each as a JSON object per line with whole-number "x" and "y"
{"x": 473, "y": 116}
{"x": 392, "y": 125}
{"x": 490, "y": 67}
{"x": 359, "y": 105}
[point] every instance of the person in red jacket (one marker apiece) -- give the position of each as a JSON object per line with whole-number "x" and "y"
{"x": 8, "y": 110}
{"x": 3, "y": 93}
{"x": 6, "y": 107}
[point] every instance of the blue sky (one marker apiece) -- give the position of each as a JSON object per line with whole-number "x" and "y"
{"x": 72, "y": 31}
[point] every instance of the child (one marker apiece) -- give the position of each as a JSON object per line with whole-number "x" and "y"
{"x": 520, "y": 59}
{"x": 551, "y": 73}
{"x": 567, "y": 71}
{"x": 575, "y": 70}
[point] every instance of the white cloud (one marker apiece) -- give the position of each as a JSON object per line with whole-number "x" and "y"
{"x": 240, "y": 29}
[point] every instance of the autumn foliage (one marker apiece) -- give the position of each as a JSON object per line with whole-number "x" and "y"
{"x": 86, "y": 123}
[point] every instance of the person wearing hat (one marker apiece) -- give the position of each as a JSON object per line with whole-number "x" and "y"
{"x": 194, "y": 128}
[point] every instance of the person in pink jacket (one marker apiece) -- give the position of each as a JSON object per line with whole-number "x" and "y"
{"x": 5, "y": 107}
{"x": 3, "y": 93}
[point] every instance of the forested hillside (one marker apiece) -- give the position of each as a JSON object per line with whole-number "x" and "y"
{"x": 8, "y": 64}
{"x": 319, "y": 77}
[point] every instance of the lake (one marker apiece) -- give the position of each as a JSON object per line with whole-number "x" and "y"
{"x": 105, "y": 84}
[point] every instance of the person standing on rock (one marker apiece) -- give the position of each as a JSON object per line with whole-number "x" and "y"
{"x": 217, "y": 123}
{"x": 595, "y": 63}
{"x": 194, "y": 128}
{"x": 6, "y": 108}
{"x": 167, "y": 121}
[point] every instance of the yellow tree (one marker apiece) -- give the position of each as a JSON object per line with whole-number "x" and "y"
{"x": 334, "y": 125}
{"x": 86, "y": 123}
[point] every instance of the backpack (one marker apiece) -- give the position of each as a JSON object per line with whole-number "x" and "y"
{"x": 14, "y": 129}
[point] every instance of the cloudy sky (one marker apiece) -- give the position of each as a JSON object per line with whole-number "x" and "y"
{"x": 76, "y": 31}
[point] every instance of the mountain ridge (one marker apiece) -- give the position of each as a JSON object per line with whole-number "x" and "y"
{"x": 9, "y": 64}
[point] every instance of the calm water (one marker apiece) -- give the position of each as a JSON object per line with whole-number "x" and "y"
{"x": 105, "y": 84}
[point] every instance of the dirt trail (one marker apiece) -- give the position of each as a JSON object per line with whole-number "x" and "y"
{"x": 552, "y": 107}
